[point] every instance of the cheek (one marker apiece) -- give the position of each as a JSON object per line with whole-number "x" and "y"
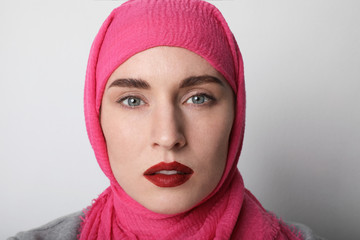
{"x": 214, "y": 127}
{"x": 209, "y": 137}
{"x": 124, "y": 140}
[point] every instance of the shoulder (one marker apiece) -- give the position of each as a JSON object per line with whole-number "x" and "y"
{"x": 64, "y": 228}
{"x": 305, "y": 231}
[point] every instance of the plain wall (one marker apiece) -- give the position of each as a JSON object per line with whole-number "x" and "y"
{"x": 301, "y": 150}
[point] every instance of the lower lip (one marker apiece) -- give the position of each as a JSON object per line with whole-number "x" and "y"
{"x": 163, "y": 180}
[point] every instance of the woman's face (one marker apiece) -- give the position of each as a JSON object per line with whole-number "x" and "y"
{"x": 166, "y": 115}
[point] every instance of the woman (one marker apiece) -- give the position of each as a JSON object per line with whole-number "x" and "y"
{"x": 165, "y": 114}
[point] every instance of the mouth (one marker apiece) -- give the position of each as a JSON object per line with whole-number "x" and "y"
{"x": 168, "y": 174}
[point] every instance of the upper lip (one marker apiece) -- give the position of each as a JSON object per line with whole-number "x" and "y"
{"x": 175, "y": 166}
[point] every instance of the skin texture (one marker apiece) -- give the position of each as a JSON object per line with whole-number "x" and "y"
{"x": 160, "y": 119}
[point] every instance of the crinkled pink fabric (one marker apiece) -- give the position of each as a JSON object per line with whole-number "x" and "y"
{"x": 230, "y": 211}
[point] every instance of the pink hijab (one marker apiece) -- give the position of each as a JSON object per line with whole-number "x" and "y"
{"x": 230, "y": 211}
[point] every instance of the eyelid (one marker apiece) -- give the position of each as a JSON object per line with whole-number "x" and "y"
{"x": 123, "y": 98}
{"x": 209, "y": 98}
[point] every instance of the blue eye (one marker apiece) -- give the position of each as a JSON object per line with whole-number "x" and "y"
{"x": 199, "y": 99}
{"x": 131, "y": 101}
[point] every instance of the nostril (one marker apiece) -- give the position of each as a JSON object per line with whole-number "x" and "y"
{"x": 179, "y": 145}
{"x": 175, "y": 141}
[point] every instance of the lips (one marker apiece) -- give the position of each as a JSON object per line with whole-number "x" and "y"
{"x": 168, "y": 174}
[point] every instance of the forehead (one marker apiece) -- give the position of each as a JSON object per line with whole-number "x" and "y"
{"x": 164, "y": 63}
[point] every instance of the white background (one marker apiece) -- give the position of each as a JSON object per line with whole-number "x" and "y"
{"x": 302, "y": 144}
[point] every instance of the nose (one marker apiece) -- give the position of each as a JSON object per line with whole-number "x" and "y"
{"x": 167, "y": 128}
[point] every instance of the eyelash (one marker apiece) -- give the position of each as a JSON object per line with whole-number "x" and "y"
{"x": 121, "y": 100}
{"x": 208, "y": 100}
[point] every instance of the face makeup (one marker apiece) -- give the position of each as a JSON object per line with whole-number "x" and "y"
{"x": 167, "y": 103}
{"x": 168, "y": 174}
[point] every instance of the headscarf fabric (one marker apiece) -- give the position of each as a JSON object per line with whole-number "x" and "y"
{"x": 229, "y": 211}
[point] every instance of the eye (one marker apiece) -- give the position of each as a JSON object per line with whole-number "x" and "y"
{"x": 131, "y": 101}
{"x": 199, "y": 99}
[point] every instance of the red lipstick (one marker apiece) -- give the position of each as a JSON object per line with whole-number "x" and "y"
{"x": 168, "y": 174}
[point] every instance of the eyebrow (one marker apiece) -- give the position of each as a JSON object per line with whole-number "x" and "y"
{"x": 130, "y": 83}
{"x": 187, "y": 82}
{"x": 198, "y": 80}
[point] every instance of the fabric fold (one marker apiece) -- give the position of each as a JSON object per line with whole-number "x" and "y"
{"x": 229, "y": 211}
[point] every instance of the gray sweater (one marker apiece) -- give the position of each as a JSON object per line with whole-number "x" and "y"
{"x": 67, "y": 228}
